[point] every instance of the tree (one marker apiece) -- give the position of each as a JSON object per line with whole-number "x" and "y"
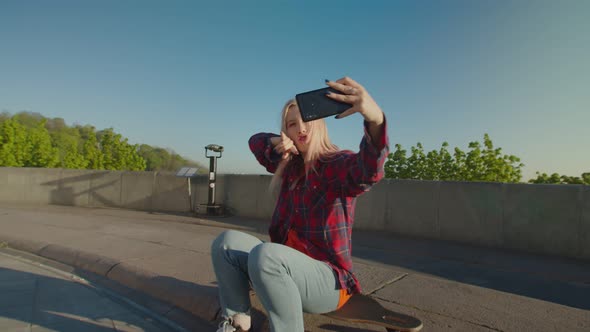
{"x": 29, "y": 139}
{"x": 543, "y": 178}
{"x": 118, "y": 154}
{"x": 478, "y": 164}
{"x": 158, "y": 159}
{"x": 396, "y": 165}
{"x": 40, "y": 151}
{"x": 107, "y": 148}
{"x": 56, "y": 125}
{"x": 4, "y": 116}
{"x": 28, "y": 119}
{"x": 14, "y": 146}
{"x": 70, "y": 147}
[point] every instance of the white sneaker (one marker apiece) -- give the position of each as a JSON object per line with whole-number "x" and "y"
{"x": 225, "y": 326}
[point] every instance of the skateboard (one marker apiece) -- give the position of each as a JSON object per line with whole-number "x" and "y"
{"x": 365, "y": 309}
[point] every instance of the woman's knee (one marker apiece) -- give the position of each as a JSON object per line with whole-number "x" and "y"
{"x": 263, "y": 258}
{"x": 222, "y": 241}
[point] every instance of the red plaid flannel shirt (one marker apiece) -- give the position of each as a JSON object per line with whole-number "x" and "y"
{"x": 320, "y": 208}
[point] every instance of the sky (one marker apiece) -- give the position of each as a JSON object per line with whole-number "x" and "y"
{"x": 185, "y": 74}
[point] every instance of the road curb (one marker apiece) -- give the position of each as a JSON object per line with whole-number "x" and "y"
{"x": 187, "y": 296}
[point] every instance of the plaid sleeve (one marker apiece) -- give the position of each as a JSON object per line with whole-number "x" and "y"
{"x": 262, "y": 149}
{"x": 365, "y": 168}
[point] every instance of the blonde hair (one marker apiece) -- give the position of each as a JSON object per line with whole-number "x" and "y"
{"x": 320, "y": 147}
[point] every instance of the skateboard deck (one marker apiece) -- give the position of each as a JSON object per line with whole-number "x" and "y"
{"x": 365, "y": 309}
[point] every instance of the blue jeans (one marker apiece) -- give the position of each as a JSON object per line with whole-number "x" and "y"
{"x": 286, "y": 281}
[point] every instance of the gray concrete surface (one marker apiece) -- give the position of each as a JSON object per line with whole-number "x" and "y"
{"x": 543, "y": 219}
{"x": 451, "y": 287}
{"x": 39, "y": 298}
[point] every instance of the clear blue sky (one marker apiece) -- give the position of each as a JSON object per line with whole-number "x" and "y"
{"x": 184, "y": 74}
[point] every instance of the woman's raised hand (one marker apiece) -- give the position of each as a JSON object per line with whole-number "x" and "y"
{"x": 284, "y": 145}
{"x": 361, "y": 102}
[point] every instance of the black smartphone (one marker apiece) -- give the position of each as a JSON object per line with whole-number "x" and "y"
{"x": 315, "y": 104}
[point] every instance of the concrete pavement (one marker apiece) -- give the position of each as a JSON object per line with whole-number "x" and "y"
{"x": 451, "y": 287}
{"x": 38, "y": 298}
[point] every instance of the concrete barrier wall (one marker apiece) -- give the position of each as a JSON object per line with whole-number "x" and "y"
{"x": 584, "y": 239}
{"x": 545, "y": 219}
{"x": 552, "y": 211}
{"x": 471, "y": 212}
{"x": 105, "y": 189}
{"x": 248, "y": 195}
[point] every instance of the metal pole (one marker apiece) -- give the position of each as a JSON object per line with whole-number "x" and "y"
{"x": 190, "y": 199}
{"x": 212, "y": 168}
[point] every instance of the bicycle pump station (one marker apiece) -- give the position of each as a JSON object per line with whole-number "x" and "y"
{"x": 211, "y": 208}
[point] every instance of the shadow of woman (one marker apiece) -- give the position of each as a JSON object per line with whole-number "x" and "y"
{"x": 35, "y": 299}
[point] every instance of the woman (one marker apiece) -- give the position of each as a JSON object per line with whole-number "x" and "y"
{"x": 308, "y": 264}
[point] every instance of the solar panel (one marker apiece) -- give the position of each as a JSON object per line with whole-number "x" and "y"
{"x": 187, "y": 172}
